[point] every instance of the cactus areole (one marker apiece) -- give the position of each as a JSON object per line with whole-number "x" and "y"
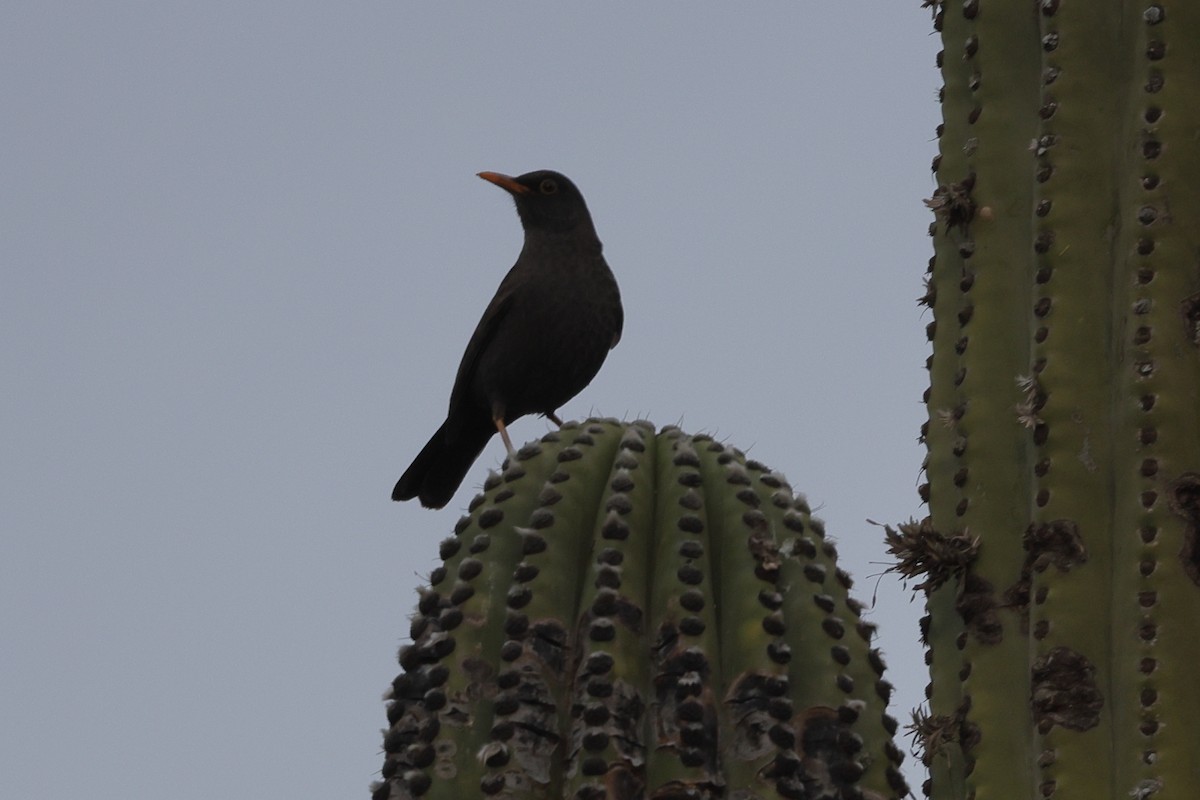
{"x": 632, "y": 614}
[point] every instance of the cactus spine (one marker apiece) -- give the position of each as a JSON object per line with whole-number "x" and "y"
{"x": 626, "y": 614}
{"x": 1060, "y": 555}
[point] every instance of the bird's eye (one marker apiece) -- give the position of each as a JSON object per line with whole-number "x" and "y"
{"x": 548, "y": 186}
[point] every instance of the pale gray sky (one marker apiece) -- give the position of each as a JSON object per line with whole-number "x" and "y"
{"x": 242, "y": 246}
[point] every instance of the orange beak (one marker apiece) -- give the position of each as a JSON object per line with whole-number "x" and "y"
{"x": 504, "y": 182}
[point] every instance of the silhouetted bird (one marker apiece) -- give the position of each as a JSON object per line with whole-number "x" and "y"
{"x": 542, "y": 339}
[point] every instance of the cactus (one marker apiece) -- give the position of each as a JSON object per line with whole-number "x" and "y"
{"x": 627, "y": 614}
{"x": 1060, "y": 556}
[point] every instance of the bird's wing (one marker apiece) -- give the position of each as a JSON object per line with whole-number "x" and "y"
{"x": 484, "y": 333}
{"x": 619, "y": 321}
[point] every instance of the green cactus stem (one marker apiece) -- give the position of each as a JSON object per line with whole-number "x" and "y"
{"x": 1064, "y": 405}
{"x": 632, "y": 614}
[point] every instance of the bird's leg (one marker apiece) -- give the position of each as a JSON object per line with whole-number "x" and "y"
{"x": 550, "y": 415}
{"x": 499, "y": 420}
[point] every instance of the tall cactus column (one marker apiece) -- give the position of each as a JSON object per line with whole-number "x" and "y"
{"x": 1060, "y": 554}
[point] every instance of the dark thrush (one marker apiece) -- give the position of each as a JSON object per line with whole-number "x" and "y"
{"x": 542, "y": 339}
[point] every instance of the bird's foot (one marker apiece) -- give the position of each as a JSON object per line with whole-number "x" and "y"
{"x": 508, "y": 445}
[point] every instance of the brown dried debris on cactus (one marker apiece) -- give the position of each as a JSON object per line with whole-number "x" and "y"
{"x": 1190, "y": 309}
{"x": 954, "y": 204}
{"x": 1056, "y": 542}
{"x": 933, "y": 734}
{"x": 930, "y": 733}
{"x": 1033, "y": 401}
{"x": 1185, "y": 501}
{"x": 920, "y": 550}
{"x": 930, "y": 297}
{"x": 976, "y": 604}
{"x": 1065, "y": 691}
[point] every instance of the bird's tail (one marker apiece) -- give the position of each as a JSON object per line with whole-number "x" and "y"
{"x": 439, "y": 469}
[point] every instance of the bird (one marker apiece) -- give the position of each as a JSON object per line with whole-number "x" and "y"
{"x": 541, "y": 340}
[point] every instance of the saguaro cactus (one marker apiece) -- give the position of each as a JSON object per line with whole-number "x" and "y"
{"x": 626, "y": 614}
{"x": 1060, "y": 555}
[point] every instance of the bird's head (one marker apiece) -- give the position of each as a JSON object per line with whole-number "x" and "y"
{"x": 546, "y": 200}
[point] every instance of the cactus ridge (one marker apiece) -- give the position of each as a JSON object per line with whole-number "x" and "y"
{"x": 627, "y": 613}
